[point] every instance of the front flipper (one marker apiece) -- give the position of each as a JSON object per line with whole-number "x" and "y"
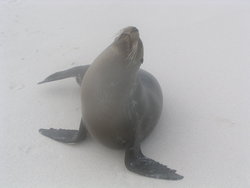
{"x": 66, "y": 136}
{"x": 77, "y": 72}
{"x": 136, "y": 162}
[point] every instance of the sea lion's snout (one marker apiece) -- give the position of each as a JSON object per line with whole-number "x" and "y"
{"x": 130, "y": 29}
{"x": 130, "y": 34}
{"x": 130, "y": 45}
{"x": 134, "y": 29}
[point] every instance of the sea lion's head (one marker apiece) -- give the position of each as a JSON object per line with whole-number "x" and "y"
{"x": 130, "y": 44}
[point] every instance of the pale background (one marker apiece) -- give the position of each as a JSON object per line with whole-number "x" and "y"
{"x": 198, "y": 50}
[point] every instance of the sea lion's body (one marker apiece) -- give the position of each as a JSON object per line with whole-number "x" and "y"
{"x": 121, "y": 103}
{"x": 117, "y": 100}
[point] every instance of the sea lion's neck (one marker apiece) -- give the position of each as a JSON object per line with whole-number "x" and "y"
{"x": 114, "y": 72}
{"x": 111, "y": 79}
{"x": 119, "y": 84}
{"x": 108, "y": 84}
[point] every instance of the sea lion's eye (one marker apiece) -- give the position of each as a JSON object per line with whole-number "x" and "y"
{"x": 141, "y": 60}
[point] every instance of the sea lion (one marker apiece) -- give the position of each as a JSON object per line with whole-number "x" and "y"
{"x": 121, "y": 103}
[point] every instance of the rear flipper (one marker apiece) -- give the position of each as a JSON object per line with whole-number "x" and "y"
{"x": 136, "y": 162}
{"x": 77, "y": 72}
{"x": 66, "y": 136}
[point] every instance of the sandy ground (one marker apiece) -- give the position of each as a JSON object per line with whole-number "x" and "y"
{"x": 199, "y": 52}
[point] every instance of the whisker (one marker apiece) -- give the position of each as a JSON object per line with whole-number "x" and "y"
{"x": 133, "y": 53}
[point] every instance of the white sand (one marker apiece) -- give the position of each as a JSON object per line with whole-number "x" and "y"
{"x": 199, "y": 52}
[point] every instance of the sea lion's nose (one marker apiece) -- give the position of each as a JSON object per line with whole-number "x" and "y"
{"x": 134, "y": 29}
